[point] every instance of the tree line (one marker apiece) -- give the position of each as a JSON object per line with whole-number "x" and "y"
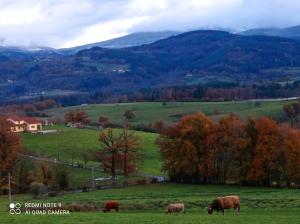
{"x": 255, "y": 151}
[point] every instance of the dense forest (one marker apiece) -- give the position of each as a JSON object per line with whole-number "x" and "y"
{"x": 252, "y": 152}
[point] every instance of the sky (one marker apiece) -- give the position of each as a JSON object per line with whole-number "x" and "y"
{"x": 68, "y": 23}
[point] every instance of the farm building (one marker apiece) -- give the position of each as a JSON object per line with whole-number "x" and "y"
{"x": 22, "y": 123}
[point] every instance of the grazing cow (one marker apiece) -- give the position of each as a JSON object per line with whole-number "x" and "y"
{"x": 175, "y": 208}
{"x": 111, "y": 205}
{"x": 227, "y": 202}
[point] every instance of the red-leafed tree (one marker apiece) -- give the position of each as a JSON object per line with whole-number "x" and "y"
{"x": 77, "y": 117}
{"x": 186, "y": 150}
{"x": 266, "y": 159}
{"x": 10, "y": 147}
{"x": 228, "y": 141}
{"x": 130, "y": 144}
{"x": 110, "y": 141}
{"x": 290, "y": 154}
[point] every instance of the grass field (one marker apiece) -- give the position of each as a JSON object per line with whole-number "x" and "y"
{"x": 152, "y": 112}
{"x": 72, "y": 141}
{"x": 146, "y": 203}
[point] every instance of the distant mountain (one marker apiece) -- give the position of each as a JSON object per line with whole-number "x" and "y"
{"x": 185, "y": 59}
{"x": 27, "y": 52}
{"x": 290, "y": 32}
{"x": 134, "y": 39}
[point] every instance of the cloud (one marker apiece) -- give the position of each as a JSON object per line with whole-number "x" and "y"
{"x": 65, "y": 23}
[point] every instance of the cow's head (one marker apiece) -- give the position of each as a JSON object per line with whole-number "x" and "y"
{"x": 209, "y": 209}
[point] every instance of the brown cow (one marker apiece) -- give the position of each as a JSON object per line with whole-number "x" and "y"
{"x": 226, "y": 202}
{"x": 111, "y": 205}
{"x": 175, "y": 208}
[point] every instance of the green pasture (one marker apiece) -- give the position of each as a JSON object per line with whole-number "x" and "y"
{"x": 146, "y": 204}
{"x": 70, "y": 143}
{"x": 150, "y": 112}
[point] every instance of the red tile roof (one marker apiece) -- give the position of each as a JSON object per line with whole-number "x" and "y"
{"x": 16, "y": 118}
{"x": 29, "y": 120}
{"x": 32, "y": 120}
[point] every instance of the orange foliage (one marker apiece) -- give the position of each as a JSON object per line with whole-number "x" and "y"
{"x": 252, "y": 152}
{"x": 10, "y": 147}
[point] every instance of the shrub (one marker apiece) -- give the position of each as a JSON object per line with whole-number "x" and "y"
{"x": 63, "y": 178}
{"x": 37, "y": 189}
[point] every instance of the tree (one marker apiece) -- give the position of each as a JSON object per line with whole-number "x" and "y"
{"x": 292, "y": 111}
{"x": 253, "y": 152}
{"x": 10, "y": 147}
{"x": 265, "y": 162}
{"x": 104, "y": 121}
{"x": 159, "y": 126}
{"x": 228, "y": 140}
{"x": 290, "y": 156}
{"x": 81, "y": 117}
{"x": 111, "y": 146}
{"x": 44, "y": 174}
{"x": 129, "y": 115}
{"x": 186, "y": 150}
{"x": 70, "y": 117}
{"x": 37, "y": 189}
{"x": 248, "y": 153}
{"x": 130, "y": 143}
{"x": 62, "y": 178}
{"x": 77, "y": 117}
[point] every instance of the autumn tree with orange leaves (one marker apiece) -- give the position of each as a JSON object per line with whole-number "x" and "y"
{"x": 130, "y": 144}
{"x": 185, "y": 148}
{"x": 10, "y": 148}
{"x": 255, "y": 151}
{"x": 266, "y": 161}
{"x": 228, "y": 141}
{"x": 119, "y": 150}
{"x": 77, "y": 117}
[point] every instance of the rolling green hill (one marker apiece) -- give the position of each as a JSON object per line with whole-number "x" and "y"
{"x": 71, "y": 142}
{"x": 151, "y": 112}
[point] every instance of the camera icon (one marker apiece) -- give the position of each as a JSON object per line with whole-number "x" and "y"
{"x": 15, "y": 208}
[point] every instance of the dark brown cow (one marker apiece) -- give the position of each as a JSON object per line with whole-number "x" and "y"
{"x": 226, "y": 202}
{"x": 111, "y": 205}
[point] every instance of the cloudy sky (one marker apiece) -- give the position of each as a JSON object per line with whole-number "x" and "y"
{"x": 66, "y": 23}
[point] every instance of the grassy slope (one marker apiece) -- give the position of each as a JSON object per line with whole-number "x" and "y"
{"x": 145, "y": 204}
{"x": 152, "y": 112}
{"x": 76, "y": 141}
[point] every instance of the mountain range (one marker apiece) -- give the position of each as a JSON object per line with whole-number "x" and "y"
{"x": 290, "y": 32}
{"x": 178, "y": 60}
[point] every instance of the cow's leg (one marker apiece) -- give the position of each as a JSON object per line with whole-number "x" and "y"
{"x": 117, "y": 209}
{"x": 222, "y": 211}
{"x": 238, "y": 209}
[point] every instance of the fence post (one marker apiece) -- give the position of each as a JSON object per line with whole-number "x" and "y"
{"x": 9, "y": 188}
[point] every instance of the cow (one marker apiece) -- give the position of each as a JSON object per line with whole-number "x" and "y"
{"x": 175, "y": 208}
{"x": 227, "y": 202}
{"x": 111, "y": 205}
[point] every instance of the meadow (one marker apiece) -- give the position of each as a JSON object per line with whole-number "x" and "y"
{"x": 151, "y": 112}
{"x": 146, "y": 204}
{"x": 72, "y": 142}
